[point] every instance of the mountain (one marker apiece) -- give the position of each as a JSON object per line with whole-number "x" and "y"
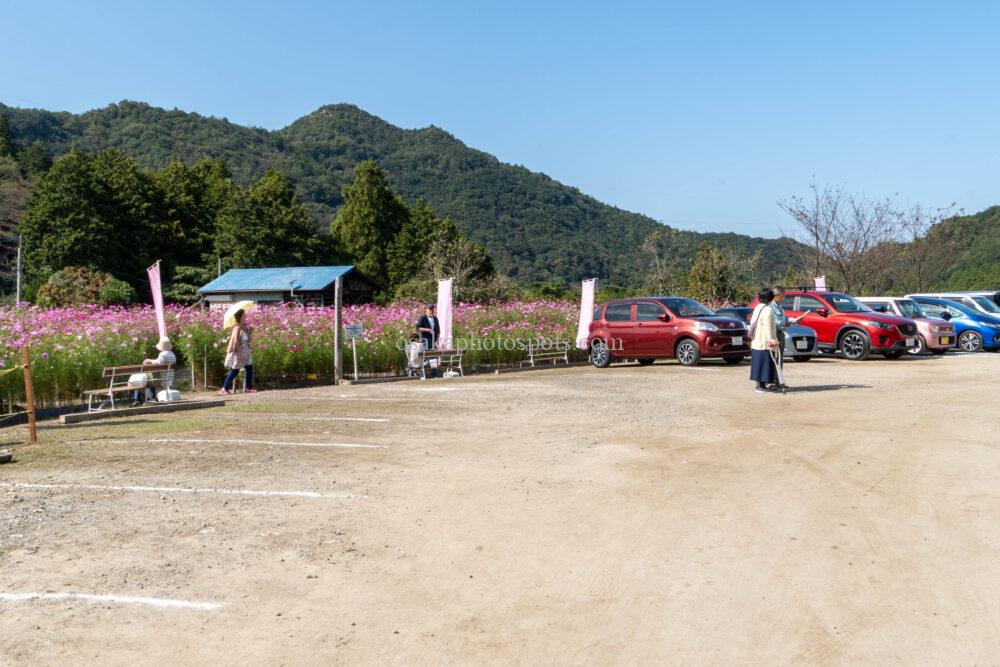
{"x": 969, "y": 257}
{"x": 536, "y": 228}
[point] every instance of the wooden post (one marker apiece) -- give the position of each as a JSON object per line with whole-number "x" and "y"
{"x": 29, "y": 394}
{"x": 338, "y": 301}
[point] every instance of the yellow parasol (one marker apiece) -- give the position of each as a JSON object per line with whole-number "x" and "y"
{"x": 229, "y": 321}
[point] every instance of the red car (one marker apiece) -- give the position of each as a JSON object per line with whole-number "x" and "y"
{"x": 661, "y": 327}
{"x": 844, "y": 323}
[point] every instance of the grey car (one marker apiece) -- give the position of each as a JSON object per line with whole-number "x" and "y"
{"x": 800, "y": 341}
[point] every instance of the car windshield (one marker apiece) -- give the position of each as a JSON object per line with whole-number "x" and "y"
{"x": 686, "y": 307}
{"x": 986, "y": 304}
{"x": 909, "y": 308}
{"x": 846, "y": 304}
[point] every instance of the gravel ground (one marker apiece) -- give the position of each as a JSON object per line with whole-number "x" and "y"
{"x": 657, "y": 514}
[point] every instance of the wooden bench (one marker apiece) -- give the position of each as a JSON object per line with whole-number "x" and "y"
{"x": 445, "y": 359}
{"x": 118, "y": 383}
{"x": 539, "y": 353}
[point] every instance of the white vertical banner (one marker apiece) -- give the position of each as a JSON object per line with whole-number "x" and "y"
{"x": 444, "y": 313}
{"x": 820, "y": 283}
{"x": 586, "y": 312}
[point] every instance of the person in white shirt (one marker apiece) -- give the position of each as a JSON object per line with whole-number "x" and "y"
{"x": 166, "y": 356}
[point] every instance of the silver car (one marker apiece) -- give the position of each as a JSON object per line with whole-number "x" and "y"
{"x": 800, "y": 340}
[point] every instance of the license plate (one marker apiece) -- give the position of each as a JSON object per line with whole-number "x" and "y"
{"x": 945, "y": 340}
{"x": 801, "y": 345}
{"x": 911, "y": 342}
{"x": 737, "y": 340}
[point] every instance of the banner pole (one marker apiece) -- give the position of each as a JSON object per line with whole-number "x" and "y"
{"x": 29, "y": 394}
{"x": 338, "y": 297}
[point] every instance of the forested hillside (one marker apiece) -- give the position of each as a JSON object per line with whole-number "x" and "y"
{"x": 535, "y": 228}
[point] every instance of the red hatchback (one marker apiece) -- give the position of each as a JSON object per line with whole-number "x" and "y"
{"x": 844, "y": 323}
{"x": 662, "y": 327}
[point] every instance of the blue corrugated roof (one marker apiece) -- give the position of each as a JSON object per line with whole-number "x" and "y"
{"x": 276, "y": 280}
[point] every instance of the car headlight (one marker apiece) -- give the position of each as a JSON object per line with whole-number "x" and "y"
{"x": 940, "y": 328}
{"x": 878, "y": 325}
{"x": 705, "y": 326}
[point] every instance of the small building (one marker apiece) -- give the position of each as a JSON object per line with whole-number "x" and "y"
{"x": 308, "y": 285}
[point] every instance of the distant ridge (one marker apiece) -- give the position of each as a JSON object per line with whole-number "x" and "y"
{"x": 536, "y": 228}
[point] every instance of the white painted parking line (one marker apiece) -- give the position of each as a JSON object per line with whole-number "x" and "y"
{"x": 174, "y": 489}
{"x": 234, "y": 441}
{"x": 297, "y": 417}
{"x": 122, "y": 599}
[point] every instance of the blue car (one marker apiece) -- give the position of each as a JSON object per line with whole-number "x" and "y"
{"x": 975, "y": 331}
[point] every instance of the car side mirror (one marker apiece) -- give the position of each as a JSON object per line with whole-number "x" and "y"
{"x": 823, "y": 312}
{"x": 946, "y": 316}
{"x": 663, "y": 317}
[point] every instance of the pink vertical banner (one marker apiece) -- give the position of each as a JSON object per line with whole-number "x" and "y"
{"x": 444, "y": 313}
{"x": 154, "y": 285}
{"x": 820, "y": 283}
{"x": 586, "y": 312}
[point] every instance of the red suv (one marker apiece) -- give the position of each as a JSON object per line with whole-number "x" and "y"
{"x": 844, "y": 323}
{"x": 661, "y": 327}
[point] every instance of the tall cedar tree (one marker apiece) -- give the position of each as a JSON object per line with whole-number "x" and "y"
{"x": 193, "y": 197}
{"x": 267, "y": 226}
{"x": 7, "y": 146}
{"x": 409, "y": 252}
{"x": 368, "y": 222}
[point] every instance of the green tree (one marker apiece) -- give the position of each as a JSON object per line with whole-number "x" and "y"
{"x": 7, "y": 146}
{"x": 409, "y": 250}
{"x": 92, "y": 210}
{"x": 192, "y": 198}
{"x": 34, "y": 160}
{"x": 267, "y": 226}
{"x": 368, "y": 222}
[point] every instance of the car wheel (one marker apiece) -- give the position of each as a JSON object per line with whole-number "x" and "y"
{"x": 600, "y": 354}
{"x": 921, "y": 347}
{"x": 970, "y": 341}
{"x": 733, "y": 361}
{"x": 892, "y": 354}
{"x": 802, "y": 357}
{"x": 854, "y": 345}
{"x": 645, "y": 362}
{"x": 688, "y": 353}
{"x": 938, "y": 350}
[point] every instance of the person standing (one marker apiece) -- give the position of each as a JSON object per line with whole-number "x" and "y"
{"x": 780, "y": 321}
{"x": 238, "y": 355}
{"x": 763, "y": 340}
{"x": 429, "y": 327}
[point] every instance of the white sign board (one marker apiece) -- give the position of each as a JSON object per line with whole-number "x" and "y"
{"x": 820, "y": 283}
{"x": 354, "y": 331}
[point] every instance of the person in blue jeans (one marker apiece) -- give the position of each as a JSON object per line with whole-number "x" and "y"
{"x": 238, "y": 356}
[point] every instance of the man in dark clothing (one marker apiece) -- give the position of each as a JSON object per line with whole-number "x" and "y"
{"x": 428, "y": 327}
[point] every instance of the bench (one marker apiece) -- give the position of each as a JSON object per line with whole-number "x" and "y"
{"x": 445, "y": 359}
{"x": 554, "y": 352}
{"x": 118, "y": 383}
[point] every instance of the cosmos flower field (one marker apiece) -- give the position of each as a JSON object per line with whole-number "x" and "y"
{"x": 70, "y": 346}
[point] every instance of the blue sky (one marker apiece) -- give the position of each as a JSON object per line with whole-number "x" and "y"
{"x": 701, "y": 115}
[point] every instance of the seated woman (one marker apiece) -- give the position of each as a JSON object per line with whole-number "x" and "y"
{"x": 165, "y": 356}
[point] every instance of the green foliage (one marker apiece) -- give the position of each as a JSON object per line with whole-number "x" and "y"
{"x": 721, "y": 275}
{"x": 117, "y": 293}
{"x": 370, "y": 219}
{"x": 77, "y": 285}
{"x": 534, "y": 227}
{"x": 969, "y": 252}
{"x": 185, "y": 282}
{"x": 34, "y": 160}
{"x": 408, "y": 252}
{"x": 7, "y": 146}
{"x": 266, "y": 226}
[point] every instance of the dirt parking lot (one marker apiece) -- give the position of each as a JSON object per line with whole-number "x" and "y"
{"x": 653, "y": 515}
